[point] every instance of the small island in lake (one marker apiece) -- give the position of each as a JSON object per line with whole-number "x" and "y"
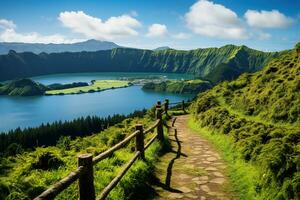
{"x": 179, "y": 86}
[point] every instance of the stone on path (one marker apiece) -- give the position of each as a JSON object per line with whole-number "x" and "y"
{"x": 197, "y": 174}
{"x": 175, "y": 196}
{"x": 218, "y": 180}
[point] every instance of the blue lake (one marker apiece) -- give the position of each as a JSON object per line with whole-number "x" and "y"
{"x": 33, "y": 111}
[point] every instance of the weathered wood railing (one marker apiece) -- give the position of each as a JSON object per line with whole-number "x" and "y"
{"x": 84, "y": 172}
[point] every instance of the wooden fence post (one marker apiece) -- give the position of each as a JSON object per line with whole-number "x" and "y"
{"x": 86, "y": 180}
{"x": 158, "y": 103}
{"x": 160, "y": 130}
{"x": 183, "y": 108}
{"x": 167, "y": 106}
{"x": 139, "y": 140}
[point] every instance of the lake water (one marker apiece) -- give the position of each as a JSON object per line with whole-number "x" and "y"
{"x": 33, "y": 111}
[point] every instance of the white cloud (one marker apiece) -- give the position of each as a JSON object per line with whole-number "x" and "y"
{"x": 214, "y": 20}
{"x": 267, "y": 19}
{"x": 92, "y": 27}
{"x": 9, "y": 34}
{"x": 181, "y": 36}
{"x": 7, "y": 24}
{"x": 157, "y": 30}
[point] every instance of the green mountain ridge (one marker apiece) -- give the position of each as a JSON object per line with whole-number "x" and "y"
{"x": 261, "y": 113}
{"x": 201, "y": 62}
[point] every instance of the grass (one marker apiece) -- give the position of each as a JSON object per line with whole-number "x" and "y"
{"x": 242, "y": 175}
{"x": 96, "y": 86}
{"x": 254, "y": 118}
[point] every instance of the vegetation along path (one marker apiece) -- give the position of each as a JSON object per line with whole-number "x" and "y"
{"x": 193, "y": 169}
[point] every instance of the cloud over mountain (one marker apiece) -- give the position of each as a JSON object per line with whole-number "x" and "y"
{"x": 93, "y": 27}
{"x": 214, "y": 20}
{"x": 9, "y": 34}
{"x": 267, "y": 19}
{"x": 157, "y": 30}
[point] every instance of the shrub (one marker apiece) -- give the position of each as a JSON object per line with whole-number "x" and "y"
{"x": 14, "y": 149}
{"x": 46, "y": 161}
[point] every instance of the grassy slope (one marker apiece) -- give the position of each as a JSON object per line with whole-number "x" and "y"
{"x": 260, "y": 114}
{"x": 98, "y": 85}
{"x": 21, "y": 176}
{"x": 180, "y": 87}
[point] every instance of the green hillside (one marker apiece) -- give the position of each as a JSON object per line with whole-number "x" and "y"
{"x": 179, "y": 87}
{"x": 25, "y": 173}
{"x": 22, "y": 87}
{"x": 260, "y": 113}
{"x": 201, "y": 62}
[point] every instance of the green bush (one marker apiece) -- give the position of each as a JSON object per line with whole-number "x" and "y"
{"x": 46, "y": 161}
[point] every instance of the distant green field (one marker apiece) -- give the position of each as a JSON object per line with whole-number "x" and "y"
{"x": 97, "y": 86}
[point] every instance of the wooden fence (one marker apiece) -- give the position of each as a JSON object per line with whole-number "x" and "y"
{"x": 84, "y": 172}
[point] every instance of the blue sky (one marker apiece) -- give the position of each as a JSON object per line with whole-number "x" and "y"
{"x": 183, "y": 24}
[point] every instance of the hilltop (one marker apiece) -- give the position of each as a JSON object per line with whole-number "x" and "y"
{"x": 260, "y": 113}
{"x": 161, "y": 48}
{"x": 214, "y": 64}
{"x": 22, "y": 87}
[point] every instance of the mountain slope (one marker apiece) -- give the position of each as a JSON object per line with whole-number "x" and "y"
{"x": 200, "y": 62}
{"x": 261, "y": 113}
{"x": 22, "y": 87}
{"x": 89, "y": 45}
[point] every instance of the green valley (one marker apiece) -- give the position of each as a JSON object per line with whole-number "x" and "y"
{"x": 150, "y": 100}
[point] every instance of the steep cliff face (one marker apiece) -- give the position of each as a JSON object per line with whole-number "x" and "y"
{"x": 201, "y": 62}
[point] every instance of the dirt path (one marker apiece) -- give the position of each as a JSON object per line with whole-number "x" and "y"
{"x": 192, "y": 170}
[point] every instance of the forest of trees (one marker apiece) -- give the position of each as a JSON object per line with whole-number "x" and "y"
{"x": 48, "y": 134}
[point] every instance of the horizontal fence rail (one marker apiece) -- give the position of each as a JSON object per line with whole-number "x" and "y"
{"x": 84, "y": 172}
{"x": 110, "y": 151}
